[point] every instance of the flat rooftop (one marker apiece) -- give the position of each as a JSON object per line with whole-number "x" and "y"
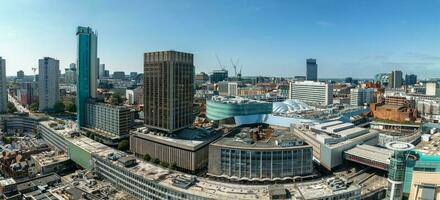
{"x": 50, "y": 157}
{"x": 189, "y": 138}
{"x": 260, "y": 136}
{"x": 431, "y": 147}
{"x": 320, "y": 189}
{"x": 236, "y": 100}
{"x": 370, "y": 152}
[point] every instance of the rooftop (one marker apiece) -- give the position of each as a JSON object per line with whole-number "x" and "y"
{"x": 369, "y": 152}
{"x": 325, "y": 188}
{"x": 236, "y": 100}
{"x": 431, "y": 147}
{"x": 50, "y": 157}
{"x": 260, "y": 136}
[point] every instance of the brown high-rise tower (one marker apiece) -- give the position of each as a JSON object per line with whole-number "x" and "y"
{"x": 168, "y": 90}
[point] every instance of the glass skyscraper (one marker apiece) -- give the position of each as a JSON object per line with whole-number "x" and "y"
{"x": 312, "y": 70}
{"x": 87, "y": 70}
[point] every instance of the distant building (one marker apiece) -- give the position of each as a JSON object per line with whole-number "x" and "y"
{"x": 202, "y": 77}
{"x": 410, "y": 79}
{"x": 102, "y": 71}
{"x": 169, "y": 90}
{"x": 349, "y": 80}
{"x": 432, "y": 89}
{"x": 70, "y": 75}
{"x": 20, "y": 74}
{"x": 361, "y": 96}
{"x": 133, "y": 75}
{"x": 382, "y": 78}
{"x": 396, "y": 80}
{"x": 3, "y": 87}
{"x": 299, "y": 78}
{"x": 119, "y": 75}
{"x": 312, "y": 70}
{"x": 311, "y": 92}
{"x": 106, "y": 73}
{"x": 87, "y": 71}
{"x": 48, "y": 83}
{"x": 27, "y": 93}
{"x": 219, "y": 75}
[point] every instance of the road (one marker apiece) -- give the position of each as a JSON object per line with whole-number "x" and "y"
{"x": 17, "y": 105}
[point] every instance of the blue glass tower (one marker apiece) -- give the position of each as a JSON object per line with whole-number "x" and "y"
{"x": 87, "y": 70}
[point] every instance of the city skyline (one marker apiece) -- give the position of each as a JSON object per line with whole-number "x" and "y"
{"x": 269, "y": 38}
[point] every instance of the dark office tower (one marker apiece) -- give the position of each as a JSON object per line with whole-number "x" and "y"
{"x": 168, "y": 90}
{"x": 312, "y": 70}
{"x": 395, "y": 79}
{"x": 410, "y": 79}
{"x": 20, "y": 74}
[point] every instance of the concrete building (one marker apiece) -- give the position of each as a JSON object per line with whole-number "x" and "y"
{"x": 52, "y": 162}
{"x": 119, "y": 75}
{"x": 312, "y": 70}
{"x": 425, "y": 185}
{"x": 260, "y": 153}
{"x": 70, "y": 74}
{"x": 87, "y": 71}
{"x": 187, "y": 148}
{"x": 395, "y": 79}
{"x": 361, "y": 96}
{"x": 27, "y": 93}
{"x": 410, "y": 79}
{"x": 48, "y": 83}
{"x": 432, "y": 89}
{"x": 331, "y": 139}
{"x": 318, "y": 93}
{"x": 3, "y": 87}
{"x": 396, "y": 171}
{"x": 112, "y": 121}
{"x": 169, "y": 90}
{"x": 332, "y": 188}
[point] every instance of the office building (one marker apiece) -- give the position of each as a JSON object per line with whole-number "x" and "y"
{"x": 187, "y": 148}
{"x": 112, "y": 121}
{"x": 410, "y": 79}
{"x": 48, "y": 83}
{"x": 395, "y": 79}
{"x": 70, "y": 74}
{"x": 87, "y": 70}
{"x": 260, "y": 153}
{"x": 101, "y": 70}
{"x": 432, "y": 89}
{"x": 396, "y": 170}
{"x": 361, "y": 96}
{"x": 3, "y": 87}
{"x": 133, "y": 75}
{"x": 169, "y": 90}
{"x": 312, "y": 70}
{"x": 119, "y": 75}
{"x": 311, "y": 92}
{"x": 219, "y": 75}
{"x": 20, "y": 74}
{"x": 27, "y": 93}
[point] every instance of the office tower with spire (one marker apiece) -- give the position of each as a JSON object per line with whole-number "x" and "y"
{"x": 48, "y": 83}
{"x": 87, "y": 70}
{"x": 312, "y": 70}
{"x": 3, "y": 86}
{"x": 168, "y": 90}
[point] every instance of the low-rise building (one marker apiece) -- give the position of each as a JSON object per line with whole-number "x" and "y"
{"x": 331, "y": 139}
{"x": 333, "y": 188}
{"x": 52, "y": 162}
{"x": 393, "y": 112}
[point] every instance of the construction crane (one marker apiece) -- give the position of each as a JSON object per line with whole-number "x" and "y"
{"x": 234, "y": 65}
{"x": 219, "y": 63}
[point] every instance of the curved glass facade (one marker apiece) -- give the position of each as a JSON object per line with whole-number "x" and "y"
{"x": 265, "y": 165}
{"x": 218, "y": 110}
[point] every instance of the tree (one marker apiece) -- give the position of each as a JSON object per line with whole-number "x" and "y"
{"x": 34, "y": 106}
{"x": 7, "y": 140}
{"x": 59, "y": 107}
{"x": 173, "y": 166}
{"x": 116, "y": 99}
{"x": 164, "y": 164}
{"x": 147, "y": 157}
{"x": 156, "y": 161}
{"x": 70, "y": 106}
{"x": 123, "y": 145}
{"x": 11, "y": 108}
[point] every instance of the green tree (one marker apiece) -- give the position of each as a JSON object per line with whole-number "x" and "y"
{"x": 11, "y": 108}
{"x": 123, "y": 145}
{"x": 173, "y": 166}
{"x": 156, "y": 161}
{"x": 59, "y": 107}
{"x": 70, "y": 106}
{"x": 164, "y": 164}
{"x": 147, "y": 157}
{"x": 7, "y": 140}
{"x": 34, "y": 106}
{"x": 116, "y": 99}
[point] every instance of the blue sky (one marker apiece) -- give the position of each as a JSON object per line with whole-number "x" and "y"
{"x": 271, "y": 38}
